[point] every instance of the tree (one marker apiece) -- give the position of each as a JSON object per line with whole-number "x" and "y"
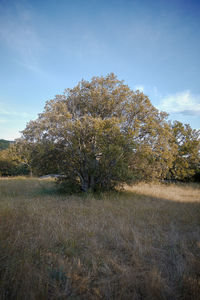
{"x": 9, "y": 166}
{"x": 187, "y": 156}
{"x": 21, "y": 153}
{"x": 98, "y": 131}
{"x": 38, "y": 158}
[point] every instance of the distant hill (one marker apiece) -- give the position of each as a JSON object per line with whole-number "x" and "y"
{"x": 4, "y": 144}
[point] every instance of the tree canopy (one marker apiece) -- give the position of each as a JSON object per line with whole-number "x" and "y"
{"x": 186, "y": 162}
{"x": 101, "y": 134}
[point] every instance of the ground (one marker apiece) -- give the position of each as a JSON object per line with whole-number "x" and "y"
{"x": 140, "y": 243}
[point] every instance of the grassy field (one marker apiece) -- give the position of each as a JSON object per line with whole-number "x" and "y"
{"x": 142, "y": 243}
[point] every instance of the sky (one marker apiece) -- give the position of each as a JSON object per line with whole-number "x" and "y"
{"x": 48, "y": 46}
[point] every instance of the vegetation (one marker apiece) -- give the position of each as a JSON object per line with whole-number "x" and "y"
{"x": 142, "y": 243}
{"x": 101, "y": 134}
{"x": 4, "y": 144}
{"x": 186, "y": 163}
{"x": 139, "y": 243}
{"x": 10, "y": 165}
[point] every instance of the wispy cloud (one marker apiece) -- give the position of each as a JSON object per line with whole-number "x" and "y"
{"x": 20, "y": 36}
{"x": 6, "y": 112}
{"x": 139, "y": 87}
{"x": 2, "y": 121}
{"x": 156, "y": 93}
{"x": 184, "y": 103}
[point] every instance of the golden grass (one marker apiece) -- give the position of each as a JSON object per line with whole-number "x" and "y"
{"x": 142, "y": 243}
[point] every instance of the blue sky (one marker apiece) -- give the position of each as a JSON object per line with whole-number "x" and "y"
{"x": 47, "y": 46}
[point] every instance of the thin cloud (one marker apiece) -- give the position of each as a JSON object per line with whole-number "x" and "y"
{"x": 183, "y": 103}
{"x": 2, "y": 121}
{"x": 156, "y": 92}
{"x": 7, "y": 112}
{"x": 14, "y": 113}
{"x": 139, "y": 87}
{"x": 18, "y": 34}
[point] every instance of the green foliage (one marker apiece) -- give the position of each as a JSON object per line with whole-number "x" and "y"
{"x": 186, "y": 164}
{"x": 20, "y": 152}
{"x": 38, "y": 159}
{"x": 9, "y": 167}
{"x": 98, "y": 134}
{"x": 4, "y": 144}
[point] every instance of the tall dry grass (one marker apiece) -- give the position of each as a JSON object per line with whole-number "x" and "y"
{"x": 142, "y": 243}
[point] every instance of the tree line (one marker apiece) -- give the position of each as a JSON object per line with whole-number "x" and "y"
{"x": 101, "y": 134}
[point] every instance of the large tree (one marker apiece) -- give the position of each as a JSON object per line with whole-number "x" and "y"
{"x": 100, "y": 131}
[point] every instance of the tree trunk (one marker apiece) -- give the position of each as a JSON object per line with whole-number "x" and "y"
{"x": 85, "y": 185}
{"x": 92, "y": 183}
{"x": 85, "y": 182}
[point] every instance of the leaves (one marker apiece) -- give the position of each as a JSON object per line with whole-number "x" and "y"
{"x": 187, "y": 155}
{"x": 101, "y": 134}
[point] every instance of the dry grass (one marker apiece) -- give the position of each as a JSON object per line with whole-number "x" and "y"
{"x": 143, "y": 243}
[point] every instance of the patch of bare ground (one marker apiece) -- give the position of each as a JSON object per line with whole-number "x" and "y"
{"x": 142, "y": 243}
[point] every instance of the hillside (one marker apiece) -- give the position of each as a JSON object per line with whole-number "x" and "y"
{"x": 4, "y": 144}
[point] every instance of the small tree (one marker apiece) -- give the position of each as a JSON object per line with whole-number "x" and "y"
{"x": 7, "y": 166}
{"x": 97, "y": 132}
{"x": 187, "y": 155}
{"x": 21, "y": 153}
